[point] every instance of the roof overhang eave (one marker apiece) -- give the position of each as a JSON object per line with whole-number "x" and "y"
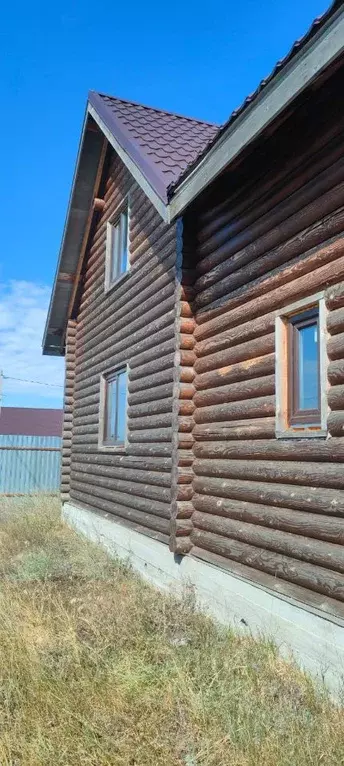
{"x": 322, "y": 50}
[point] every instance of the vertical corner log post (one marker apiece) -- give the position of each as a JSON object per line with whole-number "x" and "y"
{"x": 68, "y": 405}
{"x": 183, "y": 406}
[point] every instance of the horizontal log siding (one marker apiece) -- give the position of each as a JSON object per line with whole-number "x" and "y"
{"x": 68, "y": 406}
{"x": 134, "y": 324}
{"x": 271, "y": 509}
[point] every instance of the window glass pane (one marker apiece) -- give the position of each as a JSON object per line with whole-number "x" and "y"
{"x": 111, "y": 410}
{"x": 122, "y": 406}
{"x": 115, "y": 245}
{"x": 124, "y": 243}
{"x": 308, "y": 367}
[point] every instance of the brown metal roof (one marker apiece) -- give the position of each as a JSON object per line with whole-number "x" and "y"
{"x": 30, "y": 421}
{"x": 162, "y": 144}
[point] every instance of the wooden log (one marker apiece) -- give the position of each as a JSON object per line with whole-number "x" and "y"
{"x": 154, "y": 435}
{"x": 276, "y": 247}
{"x": 335, "y": 423}
{"x": 186, "y": 342}
{"x": 247, "y": 389}
{"x": 163, "y": 465}
{"x": 150, "y": 394}
{"x": 329, "y": 555}
{"x": 255, "y": 200}
{"x": 310, "y": 450}
{"x": 310, "y": 474}
{"x": 151, "y": 367}
{"x": 145, "y": 520}
{"x": 335, "y": 321}
{"x": 151, "y": 381}
{"x": 150, "y": 422}
{"x": 187, "y": 358}
{"x": 185, "y": 407}
{"x": 180, "y": 546}
{"x": 336, "y": 397}
{"x": 312, "y": 499}
{"x": 335, "y": 346}
{"x": 185, "y": 309}
{"x": 163, "y": 348}
{"x": 155, "y": 407}
{"x": 335, "y": 372}
{"x": 286, "y": 519}
{"x": 251, "y": 368}
{"x": 242, "y": 352}
{"x": 185, "y": 510}
{"x": 186, "y": 391}
{"x": 150, "y": 450}
{"x": 134, "y": 474}
{"x": 263, "y": 406}
{"x": 308, "y": 575}
{"x": 324, "y": 267}
{"x": 124, "y": 492}
{"x": 236, "y": 335}
{"x": 334, "y": 297}
{"x": 255, "y": 428}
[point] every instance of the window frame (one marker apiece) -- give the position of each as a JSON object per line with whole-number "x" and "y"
{"x": 104, "y": 442}
{"x": 291, "y": 422}
{"x": 112, "y": 224}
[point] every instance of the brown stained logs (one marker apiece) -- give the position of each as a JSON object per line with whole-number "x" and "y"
{"x": 314, "y": 475}
{"x": 68, "y": 410}
{"x": 335, "y": 321}
{"x": 254, "y": 428}
{"x": 335, "y": 297}
{"x": 335, "y": 347}
{"x": 309, "y": 450}
{"x": 292, "y": 283}
{"x": 324, "y": 554}
{"x": 248, "y": 408}
{"x": 336, "y": 397}
{"x": 232, "y": 355}
{"x": 235, "y": 373}
{"x": 335, "y": 372}
{"x": 335, "y": 423}
{"x": 314, "y": 499}
{"x": 237, "y": 335}
{"x": 298, "y": 522}
{"x": 132, "y": 323}
{"x": 247, "y": 389}
{"x": 309, "y": 576}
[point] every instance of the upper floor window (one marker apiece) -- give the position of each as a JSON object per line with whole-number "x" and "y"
{"x": 301, "y": 379}
{"x": 114, "y": 409}
{"x": 117, "y": 247}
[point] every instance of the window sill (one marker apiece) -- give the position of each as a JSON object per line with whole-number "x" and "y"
{"x": 122, "y": 278}
{"x": 300, "y": 433}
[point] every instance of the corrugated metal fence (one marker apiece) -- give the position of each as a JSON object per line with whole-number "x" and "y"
{"x": 29, "y": 464}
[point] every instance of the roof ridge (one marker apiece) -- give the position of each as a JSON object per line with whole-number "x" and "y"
{"x": 157, "y": 109}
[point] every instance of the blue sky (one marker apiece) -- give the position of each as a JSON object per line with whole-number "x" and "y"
{"x": 178, "y": 57}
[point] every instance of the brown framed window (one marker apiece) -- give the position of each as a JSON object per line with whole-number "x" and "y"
{"x": 115, "y": 408}
{"x": 304, "y": 394}
{"x": 117, "y": 246}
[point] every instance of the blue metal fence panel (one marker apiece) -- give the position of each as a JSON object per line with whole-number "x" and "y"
{"x": 29, "y": 464}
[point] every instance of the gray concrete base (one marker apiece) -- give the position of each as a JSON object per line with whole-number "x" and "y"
{"x": 316, "y": 643}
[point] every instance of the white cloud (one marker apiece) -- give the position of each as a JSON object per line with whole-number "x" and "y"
{"x": 23, "y": 311}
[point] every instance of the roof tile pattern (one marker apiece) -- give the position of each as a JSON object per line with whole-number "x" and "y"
{"x": 164, "y": 143}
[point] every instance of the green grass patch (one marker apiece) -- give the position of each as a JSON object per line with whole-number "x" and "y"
{"x": 99, "y": 669}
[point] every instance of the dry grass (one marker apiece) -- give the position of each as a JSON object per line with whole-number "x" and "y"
{"x": 97, "y": 669}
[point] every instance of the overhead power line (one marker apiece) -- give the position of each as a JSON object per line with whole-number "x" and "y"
{"x": 36, "y": 382}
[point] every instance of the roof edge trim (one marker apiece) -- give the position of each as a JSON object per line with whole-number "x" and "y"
{"x": 135, "y": 171}
{"x": 301, "y": 71}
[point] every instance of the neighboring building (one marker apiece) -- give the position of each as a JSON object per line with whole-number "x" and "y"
{"x": 199, "y": 298}
{"x": 30, "y": 450}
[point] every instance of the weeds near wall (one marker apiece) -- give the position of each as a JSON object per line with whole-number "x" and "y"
{"x": 98, "y": 669}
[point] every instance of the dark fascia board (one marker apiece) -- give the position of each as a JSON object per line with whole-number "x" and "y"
{"x": 311, "y": 60}
{"x": 80, "y": 204}
{"x": 122, "y": 136}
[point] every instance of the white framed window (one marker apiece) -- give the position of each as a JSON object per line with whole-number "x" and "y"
{"x": 113, "y": 408}
{"x": 301, "y": 369}
{"x": 117, "y": 246}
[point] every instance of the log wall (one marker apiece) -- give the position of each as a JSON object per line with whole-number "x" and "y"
{"x": 133, "y": 323}
{"x": 269, "y": 234}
